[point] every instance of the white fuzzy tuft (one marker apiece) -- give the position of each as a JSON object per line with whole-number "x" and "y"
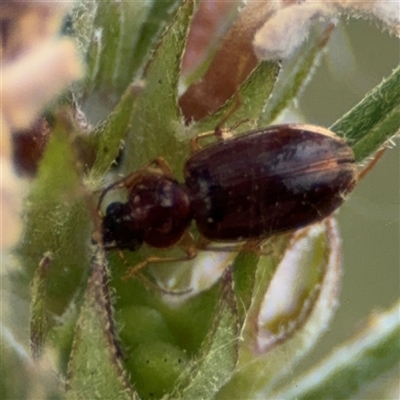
{"x": 282, "y": 34}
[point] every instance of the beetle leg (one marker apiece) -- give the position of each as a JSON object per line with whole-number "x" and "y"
{"x": 134, "y": 271}
{"x": 194, "y": 142}
{"x": 147, "y": 282}
{"x": 124, "y": 182}
{"x": 187, "y": 244}
{"x": 242, "y": 121}
{"x": 236, "y": 103}
{"x": 252, "y": 246}
{"x": 256, "y": 247}
{"x": 220, "y": 134}
{"x": 161, "y": 164}
{"x": 203, "y": 244}
{"x": 371, "y": 163}
{"x": 223, "y": 249}
{"x": 103, "y": 194}
{"x": 130, "y": 180}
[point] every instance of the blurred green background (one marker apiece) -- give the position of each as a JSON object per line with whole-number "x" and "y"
{"x": 358, "y": 57}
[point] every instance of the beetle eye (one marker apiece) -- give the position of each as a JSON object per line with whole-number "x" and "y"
{"x": 119, "y": 229}
{"x": 114, "y": 208}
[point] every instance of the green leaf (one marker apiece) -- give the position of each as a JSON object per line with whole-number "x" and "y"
{"x": 116, "y": 38}
{"x": 156, "y": 116}
{"x": 155, "y": 367}
{"x": 96, "y": 26}
{"x": 14, "y": 367}
{"x": 142, "y": 324}
{"x": 374, "y": 120}
{"x": 294, "y": 76}
{"x": 191, "y": 320}
{"x": 383, "y": 131}
{"x": 20, "y": 375}
{"x": 62, "y": 335}
{"x": 244, "y": 274}
{"x": 218, "y": 356}
{"x": 351, "y": 368}
{"x": 249, "y": 100}
{"x": 106, "y": 38}
{"x": 40, "y": 317}
{"x": 112, "y": 132}
{"x": 158, "y": 16}
{"x": 56, "y": 222}
{"x": 95, "y": 370}
{"x": 274, "y": 337}
{"x": 253, "y": 274}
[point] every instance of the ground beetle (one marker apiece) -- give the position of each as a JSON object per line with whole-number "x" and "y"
{"x": 251, "y": 186}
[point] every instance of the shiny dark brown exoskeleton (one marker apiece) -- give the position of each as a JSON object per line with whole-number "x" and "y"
{"x": 251, "y": 186}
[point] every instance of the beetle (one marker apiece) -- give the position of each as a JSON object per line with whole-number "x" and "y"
{"x": 261, "y": 183}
